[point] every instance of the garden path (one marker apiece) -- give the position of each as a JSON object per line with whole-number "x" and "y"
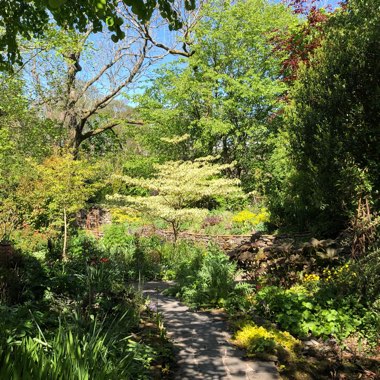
{"x": 202, "y": 342}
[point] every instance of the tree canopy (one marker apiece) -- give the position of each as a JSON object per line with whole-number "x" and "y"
{"x": 27, "y": 19}
{"x": 225, "y": 95}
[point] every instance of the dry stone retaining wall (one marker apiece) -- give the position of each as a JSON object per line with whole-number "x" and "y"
{"x": 225, "y": 242}
{"x": 93, "y": 220}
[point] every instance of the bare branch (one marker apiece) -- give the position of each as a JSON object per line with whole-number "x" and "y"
{"x": 104, "y": 101}
{"x": 100, "y": 74}
{"x": 170, "y": 50}
{"x": 109, "y": 126}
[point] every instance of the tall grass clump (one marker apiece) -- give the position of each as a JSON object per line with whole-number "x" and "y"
{"x": 97, "y": 352}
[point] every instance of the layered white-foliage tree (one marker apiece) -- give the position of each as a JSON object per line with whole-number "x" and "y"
{"x": 177, "y": 189}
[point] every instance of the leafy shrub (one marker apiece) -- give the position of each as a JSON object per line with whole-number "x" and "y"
{"x": 214, "y": 282}
{"x": 204, "y": 278}
{"x": 83, "y": 246}
{"x": 370, "y": 328}
{"x": 98, "y": 286}
{"x": 22, "y": 276}
{"x": 147, "y": 258}
{"x": 29, "y": 240}
{"x": 364, "y": 277}
{"x": 181, "y": 262}
{"x": 10, "y": 281}
{"x": 240, "y": 299}
{"x": 33, "y": 277}
{"x": 248, "y": 220}
{"x": 117, "y": 240}
{"x": 258, "y": 340}
{"x": 302, "y": 312}
{"x": 140, "y": 257}
{"x": 90, "y": 292}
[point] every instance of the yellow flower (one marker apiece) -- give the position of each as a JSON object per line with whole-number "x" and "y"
{"x": 247, "y": 216}
{"x": 311, "y": 278}
{"x": 257, "y": 339}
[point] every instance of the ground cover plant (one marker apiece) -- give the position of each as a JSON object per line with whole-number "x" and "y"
{"x": 329, "y": 309}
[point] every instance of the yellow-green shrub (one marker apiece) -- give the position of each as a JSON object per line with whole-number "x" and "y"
{"x": 122, "y": 215}
{"x": 246, "y": 216}
{"x": 258, "y": 340}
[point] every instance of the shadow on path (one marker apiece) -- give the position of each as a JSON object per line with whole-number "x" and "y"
{"x": 202, "y": 342}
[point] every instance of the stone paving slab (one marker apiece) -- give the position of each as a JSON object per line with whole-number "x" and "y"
{"x": 202, "y": 342}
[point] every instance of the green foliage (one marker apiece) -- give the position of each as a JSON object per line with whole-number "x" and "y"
{"x": 28, "y": 240}
{"x": 179, "y": 262}
{"x": 116, "y": 240}
{"x": 358, "y": 281}
{"x": 83, "y": 246}
{"x": 339, "y": 302}
{"x": 213, "y": 283}
{"x": 140, "y": 257}
{"x": 65, "y": 184}
{"x": 22, "y": 277}
{"x": 139, "y": 166}
{"x": 62, "y": 187}
{"x": 240, "y": 300}
{"x": 363, "y": 279}
{"x": 318, "y": 312}
{"x": 370, "y": 328}
{"x": 332, "y": 124}
{"x": 223, "y": 96}
{"x": 97, "y": 310}
{"x": 308, "y": 166}
{"x": 100, "y": 352}
{"x": 203, "y": 278}
{"x": 146, "y": 258}
{"x": 33, "y": 17}
{"x": 22, "y": 134}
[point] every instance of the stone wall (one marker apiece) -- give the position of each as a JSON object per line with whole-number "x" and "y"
{"x": 281, "y": 258}
{"x": 93, "y": 219}
{"x": 96, "y": 217}
{"x": 225, "y": 242}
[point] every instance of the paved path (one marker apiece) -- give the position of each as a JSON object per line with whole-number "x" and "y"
{"x": 202, "y": 343}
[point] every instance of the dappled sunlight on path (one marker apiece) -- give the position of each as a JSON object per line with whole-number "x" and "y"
{"x": 202, "y": 342}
